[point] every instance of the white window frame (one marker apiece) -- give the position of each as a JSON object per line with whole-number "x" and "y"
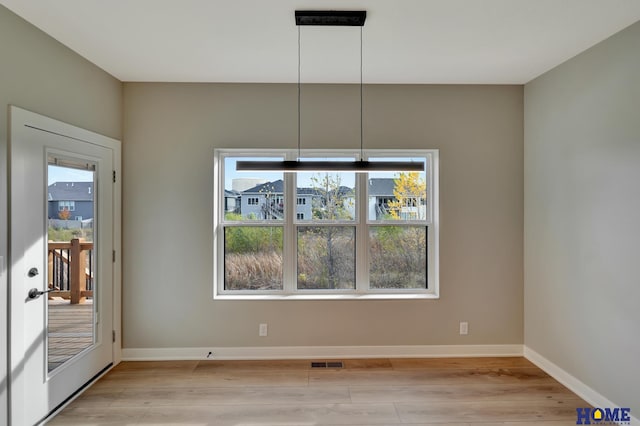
{"x": 361, "y": 223}
{"x": 70, "y": 205}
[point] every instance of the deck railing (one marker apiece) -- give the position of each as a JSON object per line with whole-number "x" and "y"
{"x": 71, "y": 268}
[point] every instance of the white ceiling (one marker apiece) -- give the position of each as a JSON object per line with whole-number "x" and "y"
{"x": 405, "y": 41}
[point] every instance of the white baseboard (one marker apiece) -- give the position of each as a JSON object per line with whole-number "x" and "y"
{"x": 574, "y": 384}
{"x": 319, "y": 352}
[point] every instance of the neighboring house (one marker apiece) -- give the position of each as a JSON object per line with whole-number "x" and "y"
{"x": 231, "y": 201}
{"x": 304, "y": 203}
{"x": 77, "y": 197}
{"x": 265, "y": 201}
{"x": 381, "y": 194}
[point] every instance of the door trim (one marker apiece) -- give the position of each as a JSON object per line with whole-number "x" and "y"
{"x": 16, "y": 351}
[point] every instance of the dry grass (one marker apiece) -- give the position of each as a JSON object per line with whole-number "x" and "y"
{"x": 326, "y": 262}
{"x": 398, "y": 260}
{"x": 253, "y": 271}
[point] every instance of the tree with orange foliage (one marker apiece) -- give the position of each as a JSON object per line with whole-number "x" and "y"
{"x": 64, "y": 214}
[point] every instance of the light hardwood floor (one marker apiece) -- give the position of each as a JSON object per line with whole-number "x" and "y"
{"x": 487, "y": 391}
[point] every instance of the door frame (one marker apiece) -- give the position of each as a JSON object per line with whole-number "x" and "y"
{"x": 15, "y": 350}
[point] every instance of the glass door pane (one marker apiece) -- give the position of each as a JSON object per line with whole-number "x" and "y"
{"x": 71, "y": 272}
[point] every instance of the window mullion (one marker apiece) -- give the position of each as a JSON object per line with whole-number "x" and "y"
{"x": 290, "y": 248}
{"x": 429, "y": 198}
{"x": 362, "y": 234}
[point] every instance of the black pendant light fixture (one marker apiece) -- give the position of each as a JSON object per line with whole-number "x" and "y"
{"x": 330, "y": 18}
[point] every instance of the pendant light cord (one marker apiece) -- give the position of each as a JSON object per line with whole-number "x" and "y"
{"x": 361, "y": 101}
{"x": 361, "y": 106}
{"x": 299, "y": 132}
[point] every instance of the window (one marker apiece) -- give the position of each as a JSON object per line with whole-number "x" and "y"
{"x": 347, "y": 235}
{"x": 66, "y": 205}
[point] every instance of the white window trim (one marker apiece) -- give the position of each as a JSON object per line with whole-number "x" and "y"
{"x": 290, "y": 292}
{"x": 69, "y": 205}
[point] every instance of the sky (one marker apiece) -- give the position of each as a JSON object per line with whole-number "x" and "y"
{"x": 304, "y": 179}
{"x": 66, "y": 174}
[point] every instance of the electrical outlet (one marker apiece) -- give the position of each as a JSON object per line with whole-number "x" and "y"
{"x": 464, "y": 327}
{"x": 263, "y": 330}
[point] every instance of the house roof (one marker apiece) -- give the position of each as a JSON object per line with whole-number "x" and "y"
{"x": 381, "y": 186}
{"x": 70, "y": 191}
{"x": 277, "y": 187}
{"x": 307, "y": 191}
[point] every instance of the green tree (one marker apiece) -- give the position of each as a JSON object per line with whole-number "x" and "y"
{"x": 251, "y": 239}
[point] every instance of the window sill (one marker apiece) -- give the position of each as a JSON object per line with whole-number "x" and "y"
{"x": 374, "y": 296}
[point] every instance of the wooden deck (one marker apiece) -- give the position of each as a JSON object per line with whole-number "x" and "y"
{"x": 70, "y": 330}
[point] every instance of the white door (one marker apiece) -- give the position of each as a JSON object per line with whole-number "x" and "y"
{"x": 61, "y": 269}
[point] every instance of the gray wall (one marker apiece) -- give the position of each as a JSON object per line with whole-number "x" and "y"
{"x": 582, "y": 217}
{"x": 39, "y": 74}
{"x": 170, "y": 133}
{"x": 81, "y": 208}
